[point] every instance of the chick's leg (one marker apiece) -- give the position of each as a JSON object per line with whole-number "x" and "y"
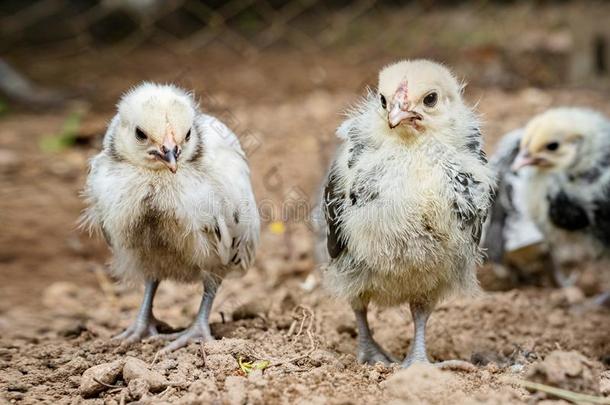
{"x": 603, "y": 299}
{"x": 145, "y": 324}
{"x": 560, "y": 279}
{"x": 594, "y": 303}
{"x": 417, "y": 353}
{"x": 369, "y": 352}
{"x": 200, "y": 329}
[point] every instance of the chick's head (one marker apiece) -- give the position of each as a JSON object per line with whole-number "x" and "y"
{"x": 418, "y": 96}
{"x": 156, "y": 127}
{"x": 558, "y": 139}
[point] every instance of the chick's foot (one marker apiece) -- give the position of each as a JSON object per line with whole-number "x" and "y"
{"x": 200, "y": 329}
{"x": 146, "y": 324}
{"x": 415, "y": 358}
{"x": 418, "y": 352}
{"x": 371, "y": 353}
{"x": 142, "y": 329}
{"x": 457, "y": 365}
{"x": 562, "y": 280}
{"x": 195, "y": 333}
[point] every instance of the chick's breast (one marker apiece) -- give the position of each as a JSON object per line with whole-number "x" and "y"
{"x": 159, "y": 226}
{"x": 404, "y": 234}
{"x": 396, "y": 215}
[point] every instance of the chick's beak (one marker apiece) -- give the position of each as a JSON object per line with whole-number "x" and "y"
{"x": 399, "y": 110}
{"x": 524, "y": 158}
{"x": 170, "y": 152}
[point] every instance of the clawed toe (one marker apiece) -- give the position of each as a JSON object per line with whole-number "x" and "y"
{"x": 374, "y": 359}
{"x": 138, "y": 331}
{"x": 458, "y": 365}
{"x": 374, "y": 355}
{"x": 601, "y": 301}
{"x": 411, "y": 359}
{"x": 167, "y": 336}
{"x": 564, "y": 281}
{"x": 181, "y": 339}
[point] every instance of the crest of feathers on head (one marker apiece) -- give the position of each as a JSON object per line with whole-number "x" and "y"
{"x": 154, "y": 101}
{"x": 420, "y": 71}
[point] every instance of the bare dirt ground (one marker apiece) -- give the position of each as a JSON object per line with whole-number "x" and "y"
{"x": 58, "y": 308}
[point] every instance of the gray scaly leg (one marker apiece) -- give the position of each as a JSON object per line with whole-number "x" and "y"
{"x": 369, "y": 352}
{"x": 145, "y": 324}
{"x": 200, "y": 329}
{"x": 600, "y": 301}
{"x": 417, "y": 353}
{"x": 560, "y": 279}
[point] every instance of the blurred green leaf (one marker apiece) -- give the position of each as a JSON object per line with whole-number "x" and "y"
{"x": 3, "y": 107}
{"x": 66, "y": 137}
{"x": 247, "y": 366}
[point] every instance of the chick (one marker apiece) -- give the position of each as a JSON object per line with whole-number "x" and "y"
{"x": 405, "y": 199}
{"x": 171, "y": 193}
{"x": 510, "y": 236}
{"x": 564, "y": 161}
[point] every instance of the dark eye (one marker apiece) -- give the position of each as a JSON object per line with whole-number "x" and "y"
{"x": 188, "y": 135}
{"x": 431, "y": 99}
{"x": 140, "y": 135}
{"x": 384, "y": 103}
{"x": 552, "y": 146}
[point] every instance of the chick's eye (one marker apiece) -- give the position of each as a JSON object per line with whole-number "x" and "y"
{"x": 552, "y": 146}
{"x": 384, "y": 103}
{"x": 431, "y": 99}
{"x": 140, "y": 135}
{"x": 188, "y": 135}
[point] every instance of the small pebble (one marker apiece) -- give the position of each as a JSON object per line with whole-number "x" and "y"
{"x": 516, "y": 368}
{"x": 138, "y": 388}
{"x": 97, "y": 378}
{"x": 137, "y": 369}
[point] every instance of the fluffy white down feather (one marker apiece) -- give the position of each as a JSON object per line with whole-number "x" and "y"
{"x": 178, "y": 226}
{"x": 398, "y": 197}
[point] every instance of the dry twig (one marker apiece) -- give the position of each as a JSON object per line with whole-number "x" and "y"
{"x": 571, "y": 396}
{"x": 106, "y": 385}
{"x": 154, "y": 360}
{"x": 203, "y": 354}
{"x": 308, "y": 315}
{"x": 291, "y": 329}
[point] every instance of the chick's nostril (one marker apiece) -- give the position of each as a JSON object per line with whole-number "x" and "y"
{"x": 164, "y": 149}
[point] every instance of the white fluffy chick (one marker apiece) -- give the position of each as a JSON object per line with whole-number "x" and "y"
{"x": 405, "y": 199}
{"x": 564, "y": 160}
{"x": 171, "y": 193}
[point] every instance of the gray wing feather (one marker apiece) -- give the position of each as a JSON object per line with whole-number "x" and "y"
{"x": 494, "y": 240}
{"x": 333, "y": 202}
{"x": 509, "y": 226}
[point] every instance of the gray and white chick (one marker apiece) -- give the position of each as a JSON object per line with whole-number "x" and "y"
{"x": 405, "y": 200}
{"x": 511, "y": 239}
{"x": 171, "y": 193}
{"x": 562, "y": 161}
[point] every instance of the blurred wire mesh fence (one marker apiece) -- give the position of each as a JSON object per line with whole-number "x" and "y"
{"x": 245, "y": 26}
{"x": 502, "y": 42}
